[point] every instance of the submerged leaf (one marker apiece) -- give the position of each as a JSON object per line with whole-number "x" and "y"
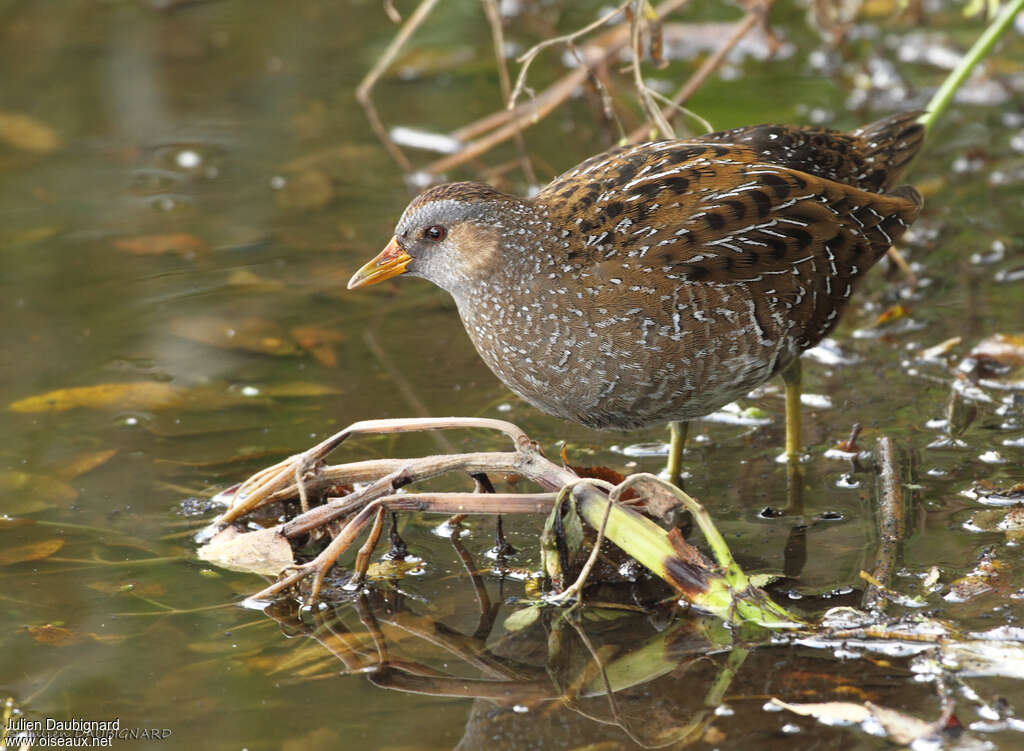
{"x": 298, "y": 390}
{"x": 250, "y": 280}
{"x": 522, "y": 618}
{"x": 27, "y": 133}
{"x": 393, "y": 568}
{"x": 252, "y": 334}
{"x": 131, "y": 395}
{"x": 58, "y": 636}
{"x": 899, "y": 727}
{"x": 29, "y": 492}
{"x": 34, "y": 552}
{"x": 140, "y": 588}
{"x": 319, "y": 341}
{"x": 309, "y": 190}
{"x": 84, "y": 463}
{"x": 181, "y": 243}
{"x": 831, "y": 712}
{"x": 28, "y": 237}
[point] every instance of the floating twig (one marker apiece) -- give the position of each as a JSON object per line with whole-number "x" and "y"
{"x": 891, "y": 526}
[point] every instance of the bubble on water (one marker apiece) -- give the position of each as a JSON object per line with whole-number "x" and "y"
{"x": 188, "y": 159}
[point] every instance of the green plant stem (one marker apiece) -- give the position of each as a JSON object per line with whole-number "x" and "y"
{"x": 92, "y": 562}
{"x": 728, "y": 593}
{"x": 940, "y": 101}
{"x": 168, "y": 610}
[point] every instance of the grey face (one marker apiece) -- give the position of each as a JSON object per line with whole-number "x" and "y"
{"x": 445, "y": 237}
{"x": 425, "y": 232}
{"x": 424, "y": 228}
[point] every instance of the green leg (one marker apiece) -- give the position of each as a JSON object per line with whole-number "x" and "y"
{"x": 793, "y": 378}
{"x": 677, "y": 430}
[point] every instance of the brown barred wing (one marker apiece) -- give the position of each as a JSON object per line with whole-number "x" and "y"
{"x": 871, "y": 158}
{"x": 796, "y": 241}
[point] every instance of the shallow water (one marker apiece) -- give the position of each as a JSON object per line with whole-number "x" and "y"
{"x": 196, "y": 186}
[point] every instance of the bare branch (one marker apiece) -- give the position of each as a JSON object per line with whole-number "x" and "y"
{"x": 382, "y": 64}
{"x": 498, "y": 38}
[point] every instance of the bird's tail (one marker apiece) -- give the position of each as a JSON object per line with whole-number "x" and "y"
{"x": 890, "y": 143}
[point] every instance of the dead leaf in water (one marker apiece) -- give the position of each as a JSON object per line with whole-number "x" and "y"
{"x": 894, "y": 313}
{"x": 29, "y": 237}
{"x": 143, "y": 395}
{"x": 997, "y": 361}
{"x": 392, "y": 569}
{"x": 899, "y": 727}
{"x": 987, "y": 576}
{"x": 996, "y": 495}
{"x": 607, "y": 474}
{"x": 307, "y": 191}
{"x": 58, "y": 636}
{"x": 1010, "y": 522}
{"x": 265, "y": 551}
{"x": 1013, "y": 524}
{"x": 250, "y": 280}
{"x": 940, "y": 350}
{"x": 181, "y": 243}
{"x": 299, "y": 390}
{"x": 142, "y": 589}
{"x": 36, "y": 551}
{"x": 252, "y": 334}
{"x": 318, "y": 341}
{"x": 84, "y": 463}
{"x": 28, "y": 134}
{"x": 28, "y": 492}
{"x": 986, "y": 657}
{"x": 522, "y": 618}
{"x": 244, "y": 455}
{"x": 316, "y": 738}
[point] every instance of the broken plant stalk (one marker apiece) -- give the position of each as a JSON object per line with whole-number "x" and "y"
{"x": 721, "y": 589}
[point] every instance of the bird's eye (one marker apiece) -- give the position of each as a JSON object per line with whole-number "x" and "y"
{"x": 435, "y": 233}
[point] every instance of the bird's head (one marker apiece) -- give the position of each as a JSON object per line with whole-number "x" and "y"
{"x": 450, "y": 235}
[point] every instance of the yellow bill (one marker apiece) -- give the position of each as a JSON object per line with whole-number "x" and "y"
{"x": 390, "y": 262}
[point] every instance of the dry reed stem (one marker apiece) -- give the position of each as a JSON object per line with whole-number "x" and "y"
{"x": 526, "y": 59}
{"x": 709, "y": 66}
{"x": 505, "y": 125}
{"x": 365, "y": 87}
{"x": 482, "y": 135}
{"x": 643, "y": 92}
{"x": 267, "y": 484}
{"x": 498, "y": 42}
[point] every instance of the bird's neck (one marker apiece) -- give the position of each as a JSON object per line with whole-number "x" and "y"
{"x": 518, "y": 252}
